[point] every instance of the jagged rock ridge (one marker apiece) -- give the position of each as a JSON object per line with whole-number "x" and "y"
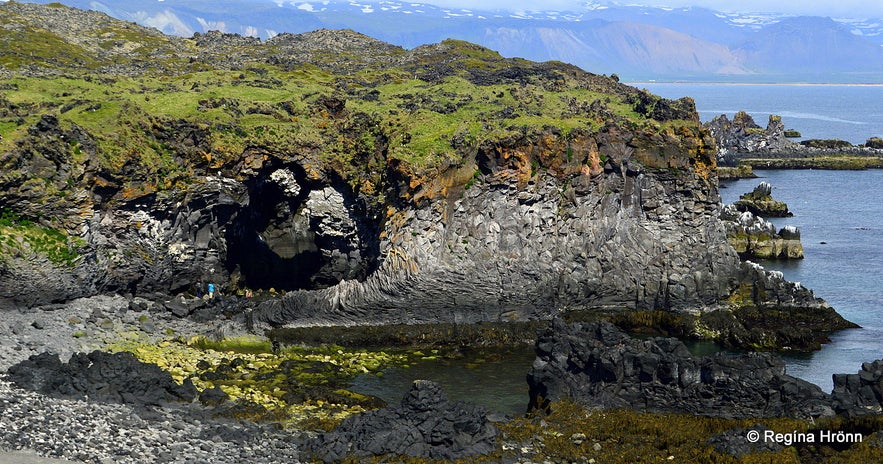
{"x": 596, "y": 365}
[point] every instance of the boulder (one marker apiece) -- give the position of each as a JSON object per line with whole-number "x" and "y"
{"x": 100, "y": 376}
{"x": 425, "y": 425}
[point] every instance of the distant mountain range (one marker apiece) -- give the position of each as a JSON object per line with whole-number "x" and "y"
{"x": 634, "y": 42}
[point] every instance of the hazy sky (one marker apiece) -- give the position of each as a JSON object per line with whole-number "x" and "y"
{"x": 839, "y": 8}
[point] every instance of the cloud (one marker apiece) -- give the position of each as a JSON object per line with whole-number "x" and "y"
{"x": 165, "y": 21}
{"x": 840, "y": 8}
{"x": 847, "y": 8}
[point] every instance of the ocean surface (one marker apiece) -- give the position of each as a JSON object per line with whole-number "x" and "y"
{"x": 848, "y": 112}
{"x": 840, "y": 216}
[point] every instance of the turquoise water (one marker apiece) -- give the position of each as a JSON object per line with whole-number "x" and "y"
{"x": 840, "y": 216}
{"x": 849, "y": 112}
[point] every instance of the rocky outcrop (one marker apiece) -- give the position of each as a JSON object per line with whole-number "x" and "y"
{"x": 760, "y": 202}
{"x": 771, "y": 314}
{"x": 742, "y": 135}
{"x": 532, "y": 233}
{"x": 755, "y": 238}
{"x": 518, "y": 245}
{"x": 425, "y": 425}
{"x": 859, "y": 394}
{"x": 596, "y": 365}
{"x": 100, "y": 376}
{"x": 769, "y": 148}
{"x": 267, "y": 233}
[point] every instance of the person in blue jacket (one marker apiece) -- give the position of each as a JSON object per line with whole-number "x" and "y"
{"x": 211, "y": 290}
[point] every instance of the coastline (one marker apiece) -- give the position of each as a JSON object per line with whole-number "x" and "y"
{"x": 745, "y": 167}
{"x": 781, "y": 84}
{"x": 47, "y": 430}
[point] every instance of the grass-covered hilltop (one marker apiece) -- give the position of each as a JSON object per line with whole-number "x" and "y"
{"x": 148, "y": 112}
{"x": 357, "y": 206}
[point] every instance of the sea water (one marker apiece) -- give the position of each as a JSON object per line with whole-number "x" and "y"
{"x": 840, "y": 216}
{"x": 818, "y": 111}
{"x": 840, "y": 213}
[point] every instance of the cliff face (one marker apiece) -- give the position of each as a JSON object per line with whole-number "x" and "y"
{"x": 372, "y": 184}
{"x": 640, "y": 232}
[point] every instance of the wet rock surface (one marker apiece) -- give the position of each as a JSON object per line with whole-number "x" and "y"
{"x": 772, "y": 314}
{"x": 426, "y": 425}
{"x": 597, "y": 365}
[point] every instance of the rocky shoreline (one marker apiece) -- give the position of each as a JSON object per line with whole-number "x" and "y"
{"x": 598, "y": 366}
{"x": 444, "y": 185}
{"x": 83, "y": 430}
{"x": 95, "y": 431}
{"x": 744, "y": 146}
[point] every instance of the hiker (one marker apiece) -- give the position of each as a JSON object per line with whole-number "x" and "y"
{"x": 211, "y": 290}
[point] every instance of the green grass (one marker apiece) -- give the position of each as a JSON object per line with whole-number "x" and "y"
{"x": 390, "y": 113}
{"x": 23, "y": 238}
{"x": 27, "y": 47}
{"x": 430, "y": 115}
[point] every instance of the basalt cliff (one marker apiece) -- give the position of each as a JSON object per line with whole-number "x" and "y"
{"x": 348, "y": 181}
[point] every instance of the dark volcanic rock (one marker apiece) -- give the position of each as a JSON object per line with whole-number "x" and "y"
{"x": 742, "y": 135}
{"x": 100, "y": 376}
{"x": 741, "y": 138}
{"x": 733, "y": 442}
{"x": 513, "y": 226}
{"x": 425, "y": 425}
{"x": 859, "y": 394}
{"x": 597, "y": 365}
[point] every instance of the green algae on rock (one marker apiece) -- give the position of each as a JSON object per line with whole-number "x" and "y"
{"x": 299, "y": 387}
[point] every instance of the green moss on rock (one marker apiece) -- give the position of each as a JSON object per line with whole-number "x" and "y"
{"x": 300, "y": 387}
